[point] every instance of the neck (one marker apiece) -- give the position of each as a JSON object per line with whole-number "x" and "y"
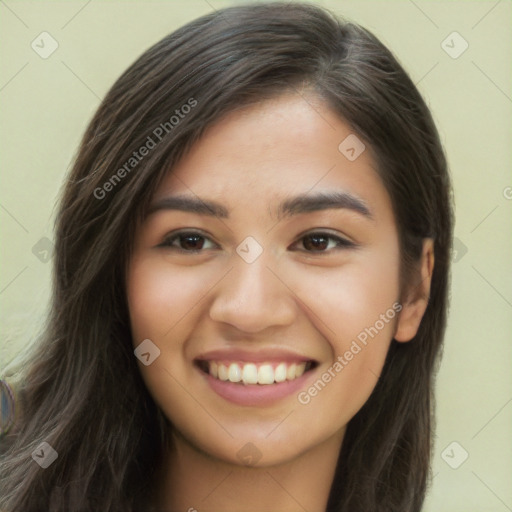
{"x": 191, "y": 480}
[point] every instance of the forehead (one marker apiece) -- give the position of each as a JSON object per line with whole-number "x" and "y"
{"x": 283, "y": 147}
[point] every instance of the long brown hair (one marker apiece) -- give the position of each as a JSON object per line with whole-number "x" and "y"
{"x": 83, "y": 393}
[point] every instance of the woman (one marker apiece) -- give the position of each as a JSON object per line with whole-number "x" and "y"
{"x": 251, "y": 271}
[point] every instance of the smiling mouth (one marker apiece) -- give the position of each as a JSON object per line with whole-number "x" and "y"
{"x": 255, "y": 373}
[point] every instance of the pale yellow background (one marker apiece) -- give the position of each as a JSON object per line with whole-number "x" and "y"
{"x": 46, "y": 104}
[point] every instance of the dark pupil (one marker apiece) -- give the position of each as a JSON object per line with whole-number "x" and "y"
{"x": 192, "y": 241}
{"x": 316, "y": 242}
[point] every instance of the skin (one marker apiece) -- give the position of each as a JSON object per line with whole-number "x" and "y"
{"x": 311, "y": 300}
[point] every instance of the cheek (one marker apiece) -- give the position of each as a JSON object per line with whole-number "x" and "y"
{"x": 355, "y": 308}
{"x": 162, "y": 300}
{"x": 163, "y": 307}
{"x": 342, "y": 302}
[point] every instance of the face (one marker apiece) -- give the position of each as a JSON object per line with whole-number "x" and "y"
{"x": 266, "y": 274}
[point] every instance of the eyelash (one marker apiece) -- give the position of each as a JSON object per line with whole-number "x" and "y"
{"x": 341, "y": 243}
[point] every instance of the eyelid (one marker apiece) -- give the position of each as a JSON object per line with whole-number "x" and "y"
{"x": 344, "y": 242}
{"x": 172, "y": 235}
{"x": 326, "y": 231}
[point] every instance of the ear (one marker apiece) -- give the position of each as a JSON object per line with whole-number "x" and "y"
{"x": 416, "y": 300}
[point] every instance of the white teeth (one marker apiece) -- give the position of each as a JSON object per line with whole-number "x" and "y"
{"x": 265, "y": 374}
{"x": 223, "y": 372}
{"x": 301, "y": 368}
{"x": 234, "y": 373}
{"x": 280, "y": 372}
{"x": 290, "y": 372}
{"x": 249, "y": 373}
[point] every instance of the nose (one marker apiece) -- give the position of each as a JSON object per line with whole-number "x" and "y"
{"x": 253, "y": 298}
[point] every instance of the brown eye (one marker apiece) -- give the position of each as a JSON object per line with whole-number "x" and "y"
{"x": 323, "y": 242}
{"x": 316, "y": 242}
{"x": 188, "y": 242}
{"x": 191, "y": 242}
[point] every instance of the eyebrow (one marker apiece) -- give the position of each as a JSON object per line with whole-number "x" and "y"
{"x": 323, "y": 201}
{"x": 189, "y": 204}
{"x": 303, "y": 203}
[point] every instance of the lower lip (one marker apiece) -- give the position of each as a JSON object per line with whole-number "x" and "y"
{"x": 256, "y": 394}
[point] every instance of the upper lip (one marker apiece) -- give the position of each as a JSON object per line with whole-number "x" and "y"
{"x": 257, "y": 356}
